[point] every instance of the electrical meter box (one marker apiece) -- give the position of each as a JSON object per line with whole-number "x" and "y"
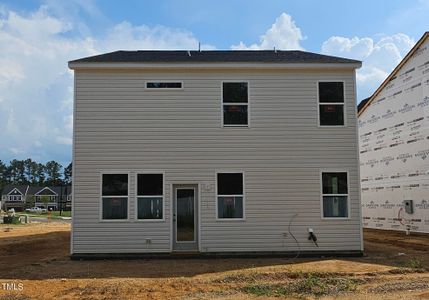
{"x": 408, "y": 204}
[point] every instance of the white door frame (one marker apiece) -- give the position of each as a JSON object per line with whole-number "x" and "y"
{"x": 172, "y": 209}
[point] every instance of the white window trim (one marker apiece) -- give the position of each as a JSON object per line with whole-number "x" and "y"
{"x": 163, "y": 89}
{"x": 321, "y": 193}
{"x": 332, "y": 103}
{"x": 156, "y": 172}
{"x": 238, "y": 103}
{"x": 52, "y": 198}
{"x": 101, "y": 197}
{"x": 13, "y": 198}
{"x": 217, "y": 195}
{"x": 15, "y": 189}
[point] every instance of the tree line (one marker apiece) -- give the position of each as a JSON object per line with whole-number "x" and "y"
{"x": 21, "y": 172}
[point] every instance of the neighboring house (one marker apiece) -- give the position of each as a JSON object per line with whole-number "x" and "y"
{"x": 215, "y": 152}
{"x": 394, "y": 146}
{"x": 14, "y": 197}
{"x": 20, "y": 197}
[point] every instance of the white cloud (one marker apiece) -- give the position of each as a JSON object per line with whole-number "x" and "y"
{"x": 126, "y": 36}
{"x": 36, "y": 85}
{"x": 379, "y": 57}
{"x": 64, "y": 140}
{"x": 16, "y": 151}
{"x": 283, "y": 34}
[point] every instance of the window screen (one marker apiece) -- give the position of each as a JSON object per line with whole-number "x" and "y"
{"x": 335, "y": 194}
{"x": 235, "y": 103}
{"x": 230, "y": 195}
{"x": 114, "y": 196}
{"x": 115, "y": 184}
{"x": 150, "y": 191}
{"x": 331, "y": 103}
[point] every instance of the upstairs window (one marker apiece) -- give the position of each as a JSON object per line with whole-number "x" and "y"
{"x": 164, "y": 85}
{"x": 235, "y": 98}
{"x": 331, "y": 103}
{"x": 335, "y": 194}
{"x": 114, "y": 196}
{"x": 230, "y": 195}
{"x": 150, "y": 196}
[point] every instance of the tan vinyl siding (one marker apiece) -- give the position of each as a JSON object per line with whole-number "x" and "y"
{"x": 119, "y": 125}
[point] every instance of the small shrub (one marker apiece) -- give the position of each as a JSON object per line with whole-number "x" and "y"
{"x": 415, "y": 263}
{"x": 11, "y": 220}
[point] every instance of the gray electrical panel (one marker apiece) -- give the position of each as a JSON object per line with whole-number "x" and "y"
{"x": 408, "y": 204}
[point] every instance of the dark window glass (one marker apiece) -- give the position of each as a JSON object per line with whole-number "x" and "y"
{"x": 115, "y": 208}
{"x": 149, "y": 185}
{"x": 149, "y": 208}
{"x": 230, "y": 184}
{"x": 115, "y": 184}
{"x": 235, "y": 114}
{"x": 331, "y": 114}
{"x": 230, "y": 207}
{"x": 163, "y": 85}
{"x": 185, "y": 215}
{"x": 335, "y": 206}
{"x": 331, "y": 92}
{"x": 334, "y": 183}
{"x": 235, "y": 92}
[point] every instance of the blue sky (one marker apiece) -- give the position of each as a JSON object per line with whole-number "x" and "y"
{"x": 37, "y": 38}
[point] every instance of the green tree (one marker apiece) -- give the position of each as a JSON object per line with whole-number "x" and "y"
{"x": 17, "y": 172}
{"x": 30, "y": 168}
{"x": 4, "y": 180}
{"x": 52, "y": 169}
{"x": 30, "y": 201}
{"x": 40, "y": 174}
{"x": 68, "y": 173}
{"x": 45, "y": 200}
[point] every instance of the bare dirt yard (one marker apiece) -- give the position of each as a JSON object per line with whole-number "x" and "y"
{"x": 34, "y": 264}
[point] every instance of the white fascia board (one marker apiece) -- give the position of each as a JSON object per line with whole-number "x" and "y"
{"x": 211, "y": 66}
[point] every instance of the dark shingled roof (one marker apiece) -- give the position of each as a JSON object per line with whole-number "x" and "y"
{"x": 237, "y": 56}
{"x": 362, "y": 103}
{"x": 31, "y": 190}
{"x": 8, "y": 188}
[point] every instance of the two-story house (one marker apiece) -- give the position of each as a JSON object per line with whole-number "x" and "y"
{"x": 215, "y": 152}
{"x": 13, "y": 196}
{"x": 20, "y": 197}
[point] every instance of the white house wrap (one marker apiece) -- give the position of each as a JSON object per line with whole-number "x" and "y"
{"x": 394, "y": 147}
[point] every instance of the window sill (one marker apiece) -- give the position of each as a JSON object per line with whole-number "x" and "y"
{"x": 335, "y": 218}
{"x": 332, "y": 126}
{"x": 114, "y": 220}
{"x": 230, "y": 220}
{"x": 149, "y": 220}
{"x": 235, "y": 126}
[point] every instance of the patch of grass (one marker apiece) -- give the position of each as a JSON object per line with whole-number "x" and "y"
{"x": 54, "y": 214}
{"x": 65, "y": 213}
{"x": 311, "y": 285}
{"x": 415, "y": 263}
{"x": 282, "y": 275}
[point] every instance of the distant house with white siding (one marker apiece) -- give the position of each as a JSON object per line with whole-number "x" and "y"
{"x": 215, "y": 152}
{"x": 394, "y": 146}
